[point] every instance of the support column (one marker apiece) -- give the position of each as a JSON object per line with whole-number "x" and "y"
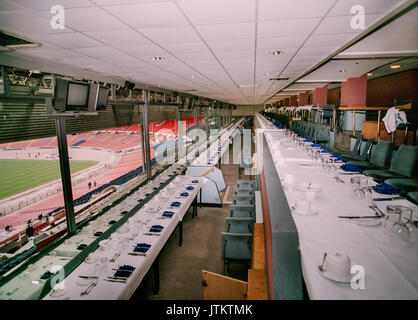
{"x": 146, "y": 135}
{"x": 143, "y": 147}
{"x": 65, "y": 174}
{"x": 180, "y": 143}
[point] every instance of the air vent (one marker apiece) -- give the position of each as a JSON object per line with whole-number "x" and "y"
{"x": 279, "y": 79}
{"x": 10, "y": 41}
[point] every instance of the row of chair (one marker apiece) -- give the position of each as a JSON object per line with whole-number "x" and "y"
{"x": 384, "y": 164}
{"x": 318, "y": 133}
{"x": 237, "y": 238}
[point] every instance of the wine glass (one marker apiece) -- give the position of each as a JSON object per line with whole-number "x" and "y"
{"x": 400, "y": 227}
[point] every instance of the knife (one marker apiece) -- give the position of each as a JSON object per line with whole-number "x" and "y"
{"x": 359, "y": 217}
{"x": 388, "y": 199}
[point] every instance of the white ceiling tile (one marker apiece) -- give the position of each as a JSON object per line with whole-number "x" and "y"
{"x": 286, "y": 28}
{"x": 48, "y": 4}
{"x": 227, "y": 31}
{"x": 285, "y": 9}
{"x": 328, "y": 40}
{"x": 312, "y": 51}
{"x": 342, "y": 24}
{"x": 71, "y": 40}
{"x": 99, "y": 52}
{"x": 149, "y": 15}
{"x": 81, "y": 62}
{"x": 118, "y": 37}
{"x": 56, "y": 54}
{"x": 186, "y": 47}
{"x": 113, "y": 2}
{"x": 281, "y": 43}
{"x": 232, "y": 45}
{"x": 172, "y": 34}
{"x": 146, "y": 51}
{"x": 218, "y": 11}
{"x": 9, "y": 6}
{"x": 27, "y": 24}
{"x": 343, "y": 7}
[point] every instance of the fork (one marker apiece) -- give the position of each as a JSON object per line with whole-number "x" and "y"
{"x": 375, "y": 207}
{"x": 87, "y": 291}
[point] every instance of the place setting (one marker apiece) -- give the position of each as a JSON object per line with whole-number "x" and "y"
{"x": 336, "y": 267}
{"x": 362, "y": 216}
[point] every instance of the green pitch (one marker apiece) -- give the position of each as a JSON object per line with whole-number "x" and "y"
{"x": 21, "y": 175}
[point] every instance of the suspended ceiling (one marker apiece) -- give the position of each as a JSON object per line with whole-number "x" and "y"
{"x": 212, "y": 48}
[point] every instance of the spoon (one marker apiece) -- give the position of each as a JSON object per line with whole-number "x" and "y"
{"x": 321, "y": 267}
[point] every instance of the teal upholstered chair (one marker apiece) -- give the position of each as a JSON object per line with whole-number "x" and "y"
{"x": 403, "y": 165}
{"x": 413, "y": 196}
{"x": 242, "y": 211}
{"x": 354, "y": 152}
{"x": 244, "y": 192}
{"x": 236, "y": 247}
{"x": 321, "y": 134}
{"x": 380, "y": 157}
{"x": 243, "y": 200}
{"x": 246, "y": 184}
{"x": 407, "y": 185}
{"x": 364, "y": 156}
{"x": 239, "y": 225}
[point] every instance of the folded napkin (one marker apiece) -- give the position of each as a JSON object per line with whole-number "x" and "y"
{"x": 195, "y": 181}
{"x": 142, "y": 247}
{"x": 98, "y": 234}
{"x": 82, "y": 246}
{"x": 325, "y": 150}
{"x": 124, "y": 271}
{"x": 385, "y": 188}
{"x": 307, "y": 140}
{"x": 168, "y": 214}
{"x": 335, "y": 156}
{"x": 175, "y": 204}
{"x": 156, "y": 228}
{"x": 350, "y": 168}
{"x": 112, "y": 222}
{"x": 46, "y": 275}
{"x": 190, "y": 188}
{"x": 315, "y": 145}
{"x": 124, "y": 212}
{"x": 184, "y": 194}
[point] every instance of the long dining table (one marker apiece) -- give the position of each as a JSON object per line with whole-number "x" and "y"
{"x": 389, "y": 264}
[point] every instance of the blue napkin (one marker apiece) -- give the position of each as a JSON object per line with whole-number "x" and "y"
{"x": 190, "y": 188}
{"x": 142, "y": 247}
{"x": 385, "y": 188}
{"x": 168, "y": 214}
{"x": 46, "y": 275}
{"x": 175, "y": 204}
{"x": 156, "y": 228}
{"x": 184, "y": 194}
{"x": 315, "y": 145}
{"x": 337, "y": 157}
{"x": 195, "y": 181}
{"x": 307, "y": 140}
{"x": 351, "y": 168}
{"x": 325, "y": 150}
{"x": 124, "y": 271}
{"x": 98, "y": 233}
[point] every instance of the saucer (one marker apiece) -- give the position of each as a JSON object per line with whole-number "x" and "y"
{"x": 334, "y": 277}
{"x": 59, "y": 292}
{"x": 366, "y": 222}
{"x": 303, "y": 213}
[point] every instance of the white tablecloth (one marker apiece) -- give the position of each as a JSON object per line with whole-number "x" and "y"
{"x": 115, "y": 290}
{"x": 390, "y": 266}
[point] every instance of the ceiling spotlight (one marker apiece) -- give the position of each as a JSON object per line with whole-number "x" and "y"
{"x": 157, "y": 58}
{"x": 369, "y": 74}
{"x": 193, "y": 76}
{"x": 276, "y": 53}
{"x": 343, "y": 70}
{"x": 395, "y": 66}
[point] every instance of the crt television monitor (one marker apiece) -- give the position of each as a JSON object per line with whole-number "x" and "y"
{"x": 77, "y": 96}
{"x": 102, "y": 98}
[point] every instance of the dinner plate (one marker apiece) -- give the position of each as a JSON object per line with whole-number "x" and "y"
{"x": 58, "y": 292}
{"x": 334, "y": 277}
{"x": 366, "y": 222}
{"x": 91, "y": 258}
{"x": 85, "y": 282}
{"x": 301, "y": 213}
{"x": 123, "y": 229}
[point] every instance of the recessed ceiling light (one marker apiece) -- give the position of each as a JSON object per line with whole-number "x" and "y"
{"x": 276, "y": 53}
{"x": 343, "y": 70}
{"x": 369, "y": 74}
{"x": 193, "y": 76}
{"x": 395, "y": 66}
{"x": 157, "y": 58}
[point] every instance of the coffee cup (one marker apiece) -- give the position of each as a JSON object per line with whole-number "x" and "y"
{"x": 303, "y": 205}
{"x": 338, "y": 264}
{"x": 310, "y": 194}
